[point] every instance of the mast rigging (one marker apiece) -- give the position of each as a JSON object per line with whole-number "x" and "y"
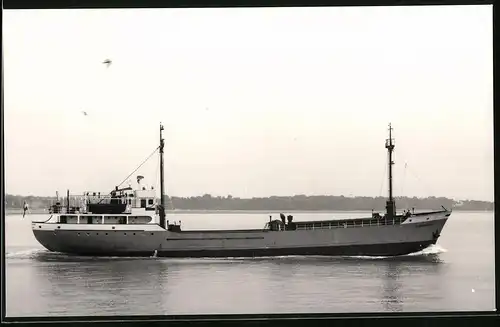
{"x": 162, "y": 195}
{"x": 390, "y": 205}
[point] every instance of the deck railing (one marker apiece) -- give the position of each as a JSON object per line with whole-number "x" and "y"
{"x": 349, "y": 223}
{"x": 82, "y": 209}
{"x": 80, "y": 201}
{"x": 78, "y": 210}
{"x": 91, "y": 198}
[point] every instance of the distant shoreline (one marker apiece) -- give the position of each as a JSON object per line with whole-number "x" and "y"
{"x": 297, "y": 203}
{"x": 11, "y": 211}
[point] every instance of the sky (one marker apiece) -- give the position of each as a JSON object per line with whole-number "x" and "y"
{"x": 255, "y": 101}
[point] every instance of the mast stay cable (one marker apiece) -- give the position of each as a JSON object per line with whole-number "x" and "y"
{"x": 126, "y": 178}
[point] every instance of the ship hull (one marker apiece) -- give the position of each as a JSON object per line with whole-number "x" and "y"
{"x": 387, "y": 240}
{"x": 387, "y": 249}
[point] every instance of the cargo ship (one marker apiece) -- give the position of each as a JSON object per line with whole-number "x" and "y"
{"x": 132, "y": 222}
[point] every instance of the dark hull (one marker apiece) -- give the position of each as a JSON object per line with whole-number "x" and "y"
{"x": 346, "y": 250}
{"x": 393, "y": 249}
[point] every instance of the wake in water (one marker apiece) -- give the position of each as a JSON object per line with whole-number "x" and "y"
{"x": 43, "y": 255}
{"x": 24, "y": 254}
{"x": 430, "y": 252}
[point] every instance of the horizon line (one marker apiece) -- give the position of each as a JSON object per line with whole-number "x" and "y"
{"x": 285, "y": 196}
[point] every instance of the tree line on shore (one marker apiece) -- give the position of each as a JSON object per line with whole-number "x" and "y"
{"x": 284, "y": 203}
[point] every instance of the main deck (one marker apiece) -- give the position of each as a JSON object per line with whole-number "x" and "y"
{"x": 147, "y": 222}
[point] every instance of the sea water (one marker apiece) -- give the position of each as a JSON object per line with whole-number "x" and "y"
{"x": 455, "y": 274}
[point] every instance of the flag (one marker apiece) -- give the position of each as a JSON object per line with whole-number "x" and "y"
{"x": 25, "y": 208}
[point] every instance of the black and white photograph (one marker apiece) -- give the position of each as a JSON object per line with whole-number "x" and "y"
{"x": 263, "y": 160}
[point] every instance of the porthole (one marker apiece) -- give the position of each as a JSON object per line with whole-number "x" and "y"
{"x": 58, "y": 227}
{"x": 97, "y": 233}
{"x": 152, "y": 234}
{"x": 124, "y": 233}
{"x": 134, "y": 233}
{"x": 39, "y": 226}
{"x": 106, "y": 233}
{"x": 410, "y": 220}
{"x": 78, "y": 234}
{"x": 113, "y": 227}
{"x": 427, "y": 218}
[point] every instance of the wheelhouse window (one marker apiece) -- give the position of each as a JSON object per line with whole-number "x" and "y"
{"x": 150, "y": 201}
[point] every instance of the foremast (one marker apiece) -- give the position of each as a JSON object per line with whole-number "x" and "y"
{"x": 390, "y": 205}
{"x": 162, "y": 193}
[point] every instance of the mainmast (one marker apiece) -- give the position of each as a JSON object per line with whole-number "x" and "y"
{"x": 162, "y": 195}
{"x": 389, "y": 145}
